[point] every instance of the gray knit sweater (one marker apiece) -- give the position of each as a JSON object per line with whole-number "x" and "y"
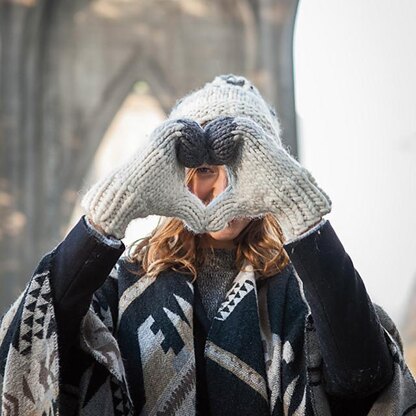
{"x": 215, "y": 278}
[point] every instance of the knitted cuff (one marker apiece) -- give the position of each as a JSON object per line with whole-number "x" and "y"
{"x": 108, "y": 240}
{"x": 306, "y": 233}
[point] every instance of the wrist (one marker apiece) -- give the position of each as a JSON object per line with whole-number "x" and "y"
{"x": 310, "y": 230}
{"x": 97, "y": 227}
{"x": 101, "y": 235}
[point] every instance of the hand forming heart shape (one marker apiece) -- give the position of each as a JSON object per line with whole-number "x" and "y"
{"x": 263, "y": 178}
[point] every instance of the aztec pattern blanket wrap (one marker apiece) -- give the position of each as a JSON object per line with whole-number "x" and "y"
{"x": 135, "y": 353}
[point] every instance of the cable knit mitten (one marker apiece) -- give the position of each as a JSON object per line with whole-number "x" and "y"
{"x": 265, "y": 178}
{"x": 152, "y": 182}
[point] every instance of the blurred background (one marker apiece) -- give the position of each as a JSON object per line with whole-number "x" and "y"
{"x": 84, "y": 82}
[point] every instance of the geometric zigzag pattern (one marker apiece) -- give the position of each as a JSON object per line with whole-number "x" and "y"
{"x": 31, "y": 373}
{"x": 234, "y": 297}
{"x": 287, "y": 391}
{"x": 29, "y": 356}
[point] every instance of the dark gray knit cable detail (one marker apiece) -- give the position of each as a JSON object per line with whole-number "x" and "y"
{"x": 218, "y": 143}
{"x": 215, "y": 278}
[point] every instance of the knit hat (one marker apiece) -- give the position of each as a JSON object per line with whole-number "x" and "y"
{"x": 228, "y": 95}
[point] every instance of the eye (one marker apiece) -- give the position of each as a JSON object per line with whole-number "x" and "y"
{"x": 205, "y": 171}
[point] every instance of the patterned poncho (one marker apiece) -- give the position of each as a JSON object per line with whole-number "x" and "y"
{"x": 135, "y": 353}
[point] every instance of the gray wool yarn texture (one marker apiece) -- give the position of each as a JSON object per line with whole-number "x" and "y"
{"x": 215, "y": 277}
{"x": 263, "y": 176}
{"x": 152, "y": 182}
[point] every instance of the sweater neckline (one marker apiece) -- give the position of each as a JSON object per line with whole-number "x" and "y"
{"x": 223, "y": 258}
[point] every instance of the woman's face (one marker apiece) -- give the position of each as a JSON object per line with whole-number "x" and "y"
{"x": 207, "y": 183}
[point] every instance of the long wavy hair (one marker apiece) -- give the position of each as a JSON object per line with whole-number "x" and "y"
{"x": 172, "y": 246}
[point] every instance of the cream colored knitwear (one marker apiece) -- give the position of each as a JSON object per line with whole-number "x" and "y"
{"x": 266, "y": 178}
{"x": 228, "y": 95}
{"x": 152, "y": 182}
{"x": 241, "y": 129}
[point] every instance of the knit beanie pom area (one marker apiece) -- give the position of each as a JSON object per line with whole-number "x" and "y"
{"x": 228, "y": 95}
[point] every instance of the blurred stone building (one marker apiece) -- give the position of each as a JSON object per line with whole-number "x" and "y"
{"x": 68, "y": 69}
{"x": 68, "y": 66}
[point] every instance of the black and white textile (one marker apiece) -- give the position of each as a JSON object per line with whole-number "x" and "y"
{"x": 135, "y": 353}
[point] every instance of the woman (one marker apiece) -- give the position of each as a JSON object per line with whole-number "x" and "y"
{"x": 243, "y": 301}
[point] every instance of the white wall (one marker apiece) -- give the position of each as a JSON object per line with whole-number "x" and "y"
{"x": 355, "y": 75}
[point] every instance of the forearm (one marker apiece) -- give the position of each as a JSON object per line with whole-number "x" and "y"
{"x": 355, "y": 353}
{"x": 81, "y": 263}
